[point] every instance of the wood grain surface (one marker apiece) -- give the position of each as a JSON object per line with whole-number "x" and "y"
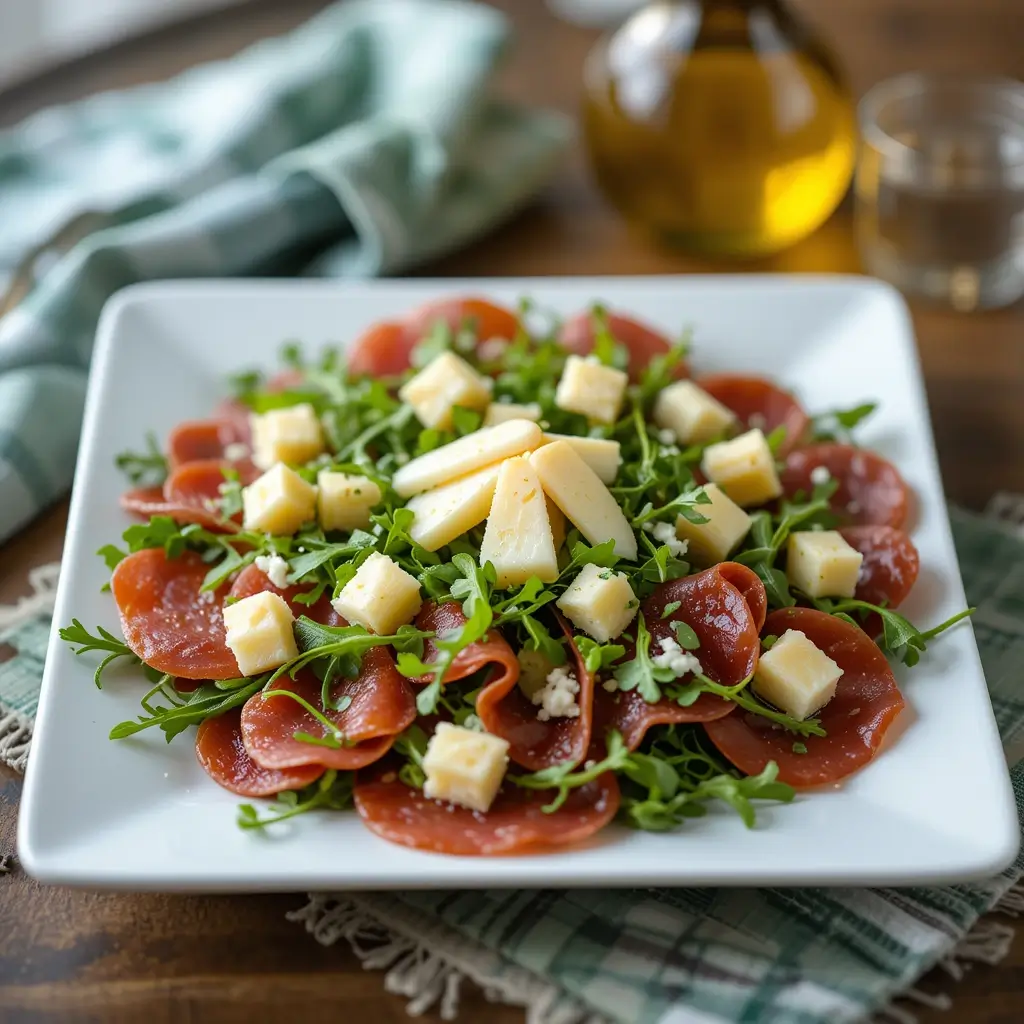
{"x": 75, "y": 956}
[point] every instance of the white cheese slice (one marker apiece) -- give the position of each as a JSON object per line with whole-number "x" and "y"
{"x": 589, "y": 388}
{"x": 464, "y": 767}
{"x": 795, "y": 676}
{"x": 278, "y": 502}
{"x": 600, "y": 602}
{"x": 691, "y": 414}
{"x": 822, "y": 564}
{"x": 501, "y": 412}
{"x": 381, "y": 596}
{"x": 727, "y": 524}
{"x": 517, "y": 540}
{"x": 258, "y": 631}
{"x": 445, "y": 382}
{"x": 474, "y": 451}
{"x": 744, "y": 468}
{"x": 449, "y": 511}
{"x": 589, "y": 505}
{"x": 602, "y": 456}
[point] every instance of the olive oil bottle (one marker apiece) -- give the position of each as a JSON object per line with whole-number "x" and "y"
{"x": 723, "y": 126}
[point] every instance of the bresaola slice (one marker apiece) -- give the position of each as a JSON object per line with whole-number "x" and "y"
{"x": 220, "y": 751}
{"x": 890, "y": 567}
{"x": 505, "y": 711}
{"x": 871, "y": 490}
{"x": 200, "y": 440}
{"x": 384, "y": 349}
{"x": 167, "y": 620}
{"x": 722, "y": 605}
{"x": 642, "y": 342}
{"x": 759, "y": 403}
{"x": 866, "y": 703}
{"x": 516, "y": 822}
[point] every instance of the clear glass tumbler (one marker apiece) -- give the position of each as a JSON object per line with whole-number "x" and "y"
{"x": 940, "y": 188}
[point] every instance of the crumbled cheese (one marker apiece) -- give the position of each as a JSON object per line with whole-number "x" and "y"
{"x": 756, "y": 421}
{"x": 665, "y": 533}
{"x": 275, "y": 568}
{"x": 675, "y": 658}
{"x": 666, "y": 436}
{"x": 820, "y": 475}
{"x": 491, "y": 350}
{"x": 610, "y": 685}
{"x": 557, "y": 697}
{"x": 667, "y": 450}
{"x": 236, "y": 451}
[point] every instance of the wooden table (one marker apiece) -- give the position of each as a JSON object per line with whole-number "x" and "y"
{"x": 68, "y": 955}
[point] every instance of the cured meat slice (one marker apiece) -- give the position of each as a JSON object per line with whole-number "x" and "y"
{"x": 381, "y": 706}
{"x": 505, "y": 710}
{"x": 383, "y": 350}
{"x": 871, "y": 490}
{"x": 199, "y": 440}
{"x": 866, "y": 703}
{"x": 515, "y": 823}
{"x": 890, "y": 567}
{"x": 719, "y": 605}
{"x": 165, "y": 618}
{"x": 252, "y": 581}
{"x": 146, "y": 502}
{"x": 642, "y": 342}
{"x": 486, "y": 319}
{"x": 759, "y": 403}
{"x": 221, "y": 753}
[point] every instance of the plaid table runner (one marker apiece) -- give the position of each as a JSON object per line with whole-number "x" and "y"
{"x": 667, "y": 956}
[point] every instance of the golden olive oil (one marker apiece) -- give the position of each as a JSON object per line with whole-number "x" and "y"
{"x": 719, "y": 125}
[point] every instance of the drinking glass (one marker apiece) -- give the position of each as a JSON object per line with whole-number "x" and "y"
{"x": 940, "y": 188}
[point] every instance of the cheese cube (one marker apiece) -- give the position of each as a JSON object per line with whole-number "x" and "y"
{"x": 501, "y": 412}
{"x": 464, "y": 767}
{"x": 691, "y": 413}
{"x": 744, "y": 468}
{"x": 474, "y": 451}
{"x": 600, "y": 602}
{"x": 449, "y": 511}
{"x": 278, "y": 502}
{"x": 534, "y": 668}
{"x": 822, "y": 564}
{"x": 344, "y": 501}
{"x": 259, "y": 633}
{"x": 291, "y": 435}
{"x": 727, "y": 524}
{"x": 795, "y": 676}
{"x": 517, "y": 540}
{"x": 602, "y": 456}
{"x": 445, "y": 382}
{"x": 589, "y": 505}
{"x": 589, "y": 388}
{"x": 381, "y": 596}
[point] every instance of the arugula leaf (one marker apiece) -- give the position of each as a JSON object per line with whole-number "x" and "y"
{"x": 838, "y": 424}
{"x": 412, "y": 745}
{"x": 685, "y": 636}
{"x": 332, "y": 791}
{"x": 144, "y": 469}
{"x": 640, "y": 673}
{"x": 564, "y": 777}
{"x": 78, "y": 636}
{"x": 598, "y": 656}
{"x": 112, "y": 555}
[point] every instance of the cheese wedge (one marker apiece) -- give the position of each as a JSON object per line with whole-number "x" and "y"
{"x": 744, "y": 468}
{"x": 258, "y": 631}
{"x": 576, "y": 489}
{"x": 502, "y": 412}
{"x": 278, "y": 502}
{"x": 291, "y": 435}
{"x": 822, "y": 564}
{"x": 591, "y": 389}
{"x": 691, "y": 413}
{"x": 464, "y": 767}
{"x": 796, "y": 676}
{"x": 381, "y": 596}
{"x": 343, "y": 501}
{"x": 727, "y": 524}
{"x": 445, "y": 382}
{"x": 517, "y": 540}
{"x": 449, "y": 511}
{"x": 600, "y": 602}
{"x": 602, "y": 456}
{"x": 474, "y": 451}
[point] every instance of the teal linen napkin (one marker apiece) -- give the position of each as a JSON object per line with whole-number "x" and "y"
{"x": 663, "y": 956}
{"x": 363, "y": 143}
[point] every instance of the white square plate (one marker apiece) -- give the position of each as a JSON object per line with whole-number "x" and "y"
{"x": 139, "y": 813}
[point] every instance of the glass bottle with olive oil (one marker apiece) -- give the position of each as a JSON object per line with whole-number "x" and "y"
{"x": 722, "y": 126}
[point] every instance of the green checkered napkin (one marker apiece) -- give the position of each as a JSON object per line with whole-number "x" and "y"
{"x": 667, "y": 956}
{"x": 363, "y": 143}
